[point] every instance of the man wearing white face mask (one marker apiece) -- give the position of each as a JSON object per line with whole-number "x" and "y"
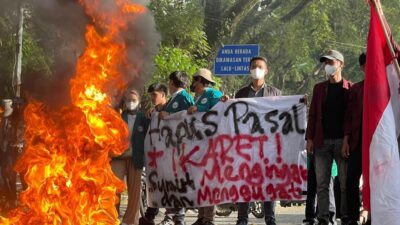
{"x": 325, "y": 132}
{"x": 130, "y": 163}
{"x": 257, "y": 88}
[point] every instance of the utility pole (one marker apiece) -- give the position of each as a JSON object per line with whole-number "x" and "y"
{"x": 16, "y": 81}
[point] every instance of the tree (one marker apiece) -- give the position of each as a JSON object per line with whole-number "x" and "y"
{"x": 294, "y": 34}
{"x": 184, "y": 44}
{"x": 181, "y": 25}
{"x": 35, "y": 60}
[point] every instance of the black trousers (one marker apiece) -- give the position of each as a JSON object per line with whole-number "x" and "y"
{"x": 354, "y": 170}
{"x": 151, "y": 213}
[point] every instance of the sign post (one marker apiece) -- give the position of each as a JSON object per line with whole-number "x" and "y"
{"x": 235, "y": 59}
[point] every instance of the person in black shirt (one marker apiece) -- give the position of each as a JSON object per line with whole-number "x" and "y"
{"x": 325, "y": 131}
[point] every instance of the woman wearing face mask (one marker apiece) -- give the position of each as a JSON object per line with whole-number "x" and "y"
{"x": 130, "y": 163}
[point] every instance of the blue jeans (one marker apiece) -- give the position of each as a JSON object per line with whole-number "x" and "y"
{"x": 331, "y": 149}
{"x": 269, "y": 207}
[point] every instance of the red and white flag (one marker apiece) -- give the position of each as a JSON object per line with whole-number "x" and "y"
{"x": 381, "y": 123}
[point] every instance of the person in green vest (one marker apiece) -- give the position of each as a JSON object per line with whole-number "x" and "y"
{"x": 180, "y": 100}
{"x": 205, "y": 100}
{"x": 207, "y": 97}
{"x": 130, "y": 163}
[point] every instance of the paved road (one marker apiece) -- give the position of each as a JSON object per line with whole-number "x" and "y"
{"x": 293, "y": 215}
{"x": 285, "y": 216}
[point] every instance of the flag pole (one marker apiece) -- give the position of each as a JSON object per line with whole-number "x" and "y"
{"x": 378, "y": 7}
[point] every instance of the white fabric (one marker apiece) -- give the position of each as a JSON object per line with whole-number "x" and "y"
{"x": 385, "y": 161}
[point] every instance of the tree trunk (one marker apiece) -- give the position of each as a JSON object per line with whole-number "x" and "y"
{"x": 18, "y": 54}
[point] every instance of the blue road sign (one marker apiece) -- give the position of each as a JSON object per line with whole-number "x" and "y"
{"x": 235, "y": 59}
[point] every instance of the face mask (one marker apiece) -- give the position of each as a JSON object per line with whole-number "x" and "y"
{"x": 131, "y": 105}
{"x": 257, "y": 73}
{"x": 192, "y": 87}
{"x": 330, "y": 70}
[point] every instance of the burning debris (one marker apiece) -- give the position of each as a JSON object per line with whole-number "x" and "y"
{"x": 66, "y": 159}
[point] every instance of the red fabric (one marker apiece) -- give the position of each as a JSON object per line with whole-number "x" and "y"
{"x": 376, "y": 93}
{"x": 353, "y": 116}
{"x": 315, "y": 130}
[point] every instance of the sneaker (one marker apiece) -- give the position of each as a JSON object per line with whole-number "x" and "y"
{"x": 241, "y": 222}
{"x": 199, "y": 221}
{"x": 167, "y": 221}
{"x": 144, "y": 221}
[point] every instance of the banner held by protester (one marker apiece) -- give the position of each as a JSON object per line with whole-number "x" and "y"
{"x": 242, "y": 150}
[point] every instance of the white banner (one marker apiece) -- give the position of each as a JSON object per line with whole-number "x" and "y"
{"x": 243, "y": 150}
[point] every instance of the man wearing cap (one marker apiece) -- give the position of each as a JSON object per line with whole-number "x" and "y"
{"x": 205, "y": 100}
{"x": 325, "y": 132}
{"x": 206, "y": 96}
{"x": 351, "y": 148}
{"x": 257, "y": 88}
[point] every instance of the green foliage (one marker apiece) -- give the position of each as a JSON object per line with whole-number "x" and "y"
{"x": 34, "y": 59}
{"x": 295, "y": 33}
{"x": 181, "y": 25}
{"x": 171, "y": 59}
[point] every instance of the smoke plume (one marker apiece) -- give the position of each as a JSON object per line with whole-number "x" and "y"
{"x": 59, "y": 26}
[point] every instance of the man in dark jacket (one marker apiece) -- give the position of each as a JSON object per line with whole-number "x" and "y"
{"x": 325, "y": 132}
{"x": 257, "y": 88}
{"x": 352, "y": 146}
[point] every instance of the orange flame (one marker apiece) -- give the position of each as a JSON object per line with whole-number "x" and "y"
{"x": 66, "y": 160}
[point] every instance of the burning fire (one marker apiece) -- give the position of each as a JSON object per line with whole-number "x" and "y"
{"x": 66, "y": 160}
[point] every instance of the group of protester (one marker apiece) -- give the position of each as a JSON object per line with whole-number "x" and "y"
{"x": 333, "y": 140}
{"x": 205, "y": 98}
